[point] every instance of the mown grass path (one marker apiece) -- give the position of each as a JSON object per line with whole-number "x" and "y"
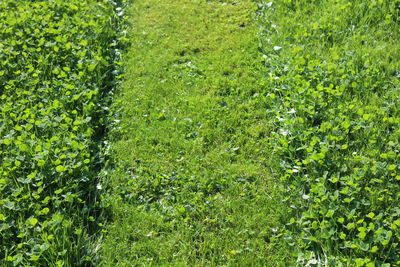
{"x": 194, "y": 187}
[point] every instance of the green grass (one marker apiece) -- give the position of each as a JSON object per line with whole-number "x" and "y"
{"x": 222, "y": 161}
{"x": 55, "y": 75}
{"x": 193, "y": 185}
{"x": 245, "y": 133}
{"x": 334, "y": 88}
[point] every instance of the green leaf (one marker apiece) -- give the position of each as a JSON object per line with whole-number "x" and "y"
{"x": 374, "y": 249}
{"x": 32, "y": 221}
{"x": 350, "y": 226}
{"x": 6, "y": 142}
{"x": 60, "y": 168}
{"x": 392, "y": 167}
{"x": 371, "y": 215}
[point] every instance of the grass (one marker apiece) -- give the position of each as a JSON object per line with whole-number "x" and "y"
{"x": 55, "y": 75}
{"x": 193, "y": 185}
{"x": 334, "y": 88}
{"x": 245, "y": 133}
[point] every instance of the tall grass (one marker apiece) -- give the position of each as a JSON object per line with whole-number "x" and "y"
{"x": 56, "y": 71}
{"x": 334, "y": 91}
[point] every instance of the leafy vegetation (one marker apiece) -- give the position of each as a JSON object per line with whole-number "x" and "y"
{"x": 206, "y": 127}
{"x": 334, "y": 92}
{"x": 56, "y": 62}
{"x": 193, "y": 186}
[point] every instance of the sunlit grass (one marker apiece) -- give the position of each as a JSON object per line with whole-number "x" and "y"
{"x": 55, "y": 78}
{"x": 194, "y": 186}
{"x": 335, "y": 94}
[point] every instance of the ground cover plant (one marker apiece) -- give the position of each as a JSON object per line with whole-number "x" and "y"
{"x": 193, "y": 186}
{"x": 334, "y": 75}
{"x": 233, "y": 142}
{"x": 56, "y": 62}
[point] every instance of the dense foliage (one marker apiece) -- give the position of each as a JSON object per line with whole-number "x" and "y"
{"x": 194, "y": 146}
{"x": 55, "y": 70}
{"x": 334, "y": 82}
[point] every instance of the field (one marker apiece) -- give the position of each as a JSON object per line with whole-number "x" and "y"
{"x": 56, "y": 63}
{"x": 199, "y": 133}
{"x": 334, "y": 93}
{"x": 193, "y": 186}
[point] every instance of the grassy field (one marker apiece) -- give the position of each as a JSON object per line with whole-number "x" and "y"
{"x": 223, "y": 162}
{"x": 194, "y": 186}
{"x": 56, "y": 72}
{"x": 334, "y": 75}
{"x": 234, "y": 133}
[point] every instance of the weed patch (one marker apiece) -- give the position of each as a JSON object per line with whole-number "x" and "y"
{"x": 56, "y": 63}
{"x": 334, "y": 94}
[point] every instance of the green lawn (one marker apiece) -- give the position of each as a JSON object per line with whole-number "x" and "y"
{"x": 227, "y": 133}
{"x": 193, "y": 186}
{"x": 257, "y": 134}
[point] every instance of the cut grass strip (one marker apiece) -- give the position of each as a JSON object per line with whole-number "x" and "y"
{"x": 193, "y": 186}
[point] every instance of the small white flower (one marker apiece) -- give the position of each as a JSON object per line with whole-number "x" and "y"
{"x": 280, "y": 118}
{"x": 283, "y": 132}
